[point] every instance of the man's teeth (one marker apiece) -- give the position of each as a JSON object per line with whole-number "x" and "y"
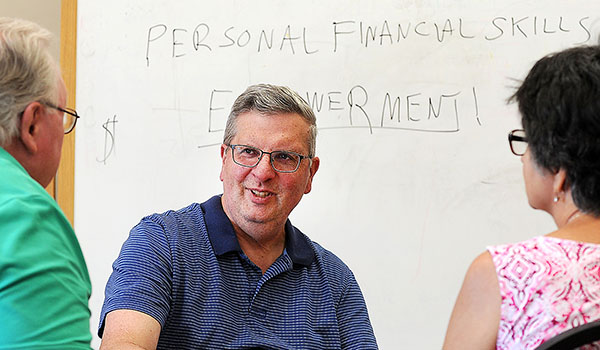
{"x": 261, "y": 194}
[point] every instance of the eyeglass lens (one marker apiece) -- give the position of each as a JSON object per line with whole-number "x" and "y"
{"x": 518, "y": 142}
{"x": 69, "y": 119}
{"x": 282, "y": 161}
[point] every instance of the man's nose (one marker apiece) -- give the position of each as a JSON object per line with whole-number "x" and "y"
{"x": 264, "y": 169}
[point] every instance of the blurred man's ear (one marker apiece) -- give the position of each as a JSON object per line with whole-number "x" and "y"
{"x": 29, "y": 126}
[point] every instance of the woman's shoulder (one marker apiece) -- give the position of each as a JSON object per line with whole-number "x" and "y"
{"x": 540, "y": 245}
{"x": 542, "y": 256}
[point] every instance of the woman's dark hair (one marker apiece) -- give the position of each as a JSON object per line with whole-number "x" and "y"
{"x": 559, "y": 102}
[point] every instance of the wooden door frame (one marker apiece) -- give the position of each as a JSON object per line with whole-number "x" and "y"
{"x": 63, "y": 187}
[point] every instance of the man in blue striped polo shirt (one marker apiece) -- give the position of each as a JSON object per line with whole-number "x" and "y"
{"x": 232, "y": 272}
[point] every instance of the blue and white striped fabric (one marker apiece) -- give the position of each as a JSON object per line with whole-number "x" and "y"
{"x": 185, "y": 268}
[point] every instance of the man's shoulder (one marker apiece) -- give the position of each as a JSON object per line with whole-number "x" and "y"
{"x": 186, "y": 214}
{"x": 326, "y": 255}
{"x": 17, "y": 184}
{"x": 173, "y": 225}
{"x": 336, "y": 272}
{"x": 327, "y": 259}
{"x": 23, "y": 199}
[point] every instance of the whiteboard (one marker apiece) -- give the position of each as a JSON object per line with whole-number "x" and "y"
{"x": 416, "y": 176}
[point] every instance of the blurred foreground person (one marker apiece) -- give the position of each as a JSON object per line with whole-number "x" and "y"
{"x": 44, "y": 282}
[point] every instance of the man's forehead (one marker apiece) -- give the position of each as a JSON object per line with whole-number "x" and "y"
{"x": 298, "y": 131}
{"x": 267, "y": 118}
{"x": 271, "y": 114}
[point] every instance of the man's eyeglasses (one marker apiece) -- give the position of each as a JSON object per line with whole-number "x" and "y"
{"x": 70, "y": 117}
{"x": 518, "y": 142}
{"x": 281, "y": 161}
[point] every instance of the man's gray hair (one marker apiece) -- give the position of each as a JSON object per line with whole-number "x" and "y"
{"x": 28, "y": 72}
{"x": 271, "y": 99}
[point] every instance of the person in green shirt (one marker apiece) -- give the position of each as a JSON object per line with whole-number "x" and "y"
{"x": 44, "y": 281}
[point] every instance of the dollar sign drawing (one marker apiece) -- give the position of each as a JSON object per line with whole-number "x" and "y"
{"x": 109, "y": 138}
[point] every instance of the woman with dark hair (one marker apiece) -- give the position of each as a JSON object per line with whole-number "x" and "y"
{"x": 516, "y": 296}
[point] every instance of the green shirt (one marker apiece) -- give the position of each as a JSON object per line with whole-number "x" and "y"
{"x": 44, "y": 282}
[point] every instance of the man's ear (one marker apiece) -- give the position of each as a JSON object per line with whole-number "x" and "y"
{"x": 223, "y": 151}
{"x": 223, "y": 155}
{"x": 314, "y": 166}
{"x": 29, "y": 126}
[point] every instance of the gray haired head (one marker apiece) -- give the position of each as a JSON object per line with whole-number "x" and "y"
{"x": 271, "y": 99}
{"x": 28, "y": 72}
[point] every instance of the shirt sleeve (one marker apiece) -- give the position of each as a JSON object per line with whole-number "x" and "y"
{"x": 355, "y": 327}
{"x": 142, "y": 274}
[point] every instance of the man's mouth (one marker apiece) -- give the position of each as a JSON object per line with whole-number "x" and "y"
{"x": 261, "y": 194}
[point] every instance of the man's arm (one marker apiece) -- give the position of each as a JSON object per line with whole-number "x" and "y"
{"x": 141, "y": 280}
{"x": 130, "y": 330}
{"x": 476, "y": 315}
{"x": 356, "y": 331}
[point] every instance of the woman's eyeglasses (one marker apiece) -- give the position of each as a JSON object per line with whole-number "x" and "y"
{"x": 518, "y": 142}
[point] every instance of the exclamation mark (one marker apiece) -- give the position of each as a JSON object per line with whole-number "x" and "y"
{"x": 476, "y": 106}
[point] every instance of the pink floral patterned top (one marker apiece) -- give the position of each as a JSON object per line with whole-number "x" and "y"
{"x": 548, "y": 285}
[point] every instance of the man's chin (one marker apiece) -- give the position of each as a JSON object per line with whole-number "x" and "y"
{"x": 262, "y": 217}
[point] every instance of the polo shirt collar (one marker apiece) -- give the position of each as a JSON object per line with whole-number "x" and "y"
{"x": 220, "y": 230}
{"x": 223, "y": 239}
{"x": 5, "y": 156}
{"x": 297, "y": 246}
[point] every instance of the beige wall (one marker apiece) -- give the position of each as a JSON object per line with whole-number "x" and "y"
{"x": 44, "y": 12}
